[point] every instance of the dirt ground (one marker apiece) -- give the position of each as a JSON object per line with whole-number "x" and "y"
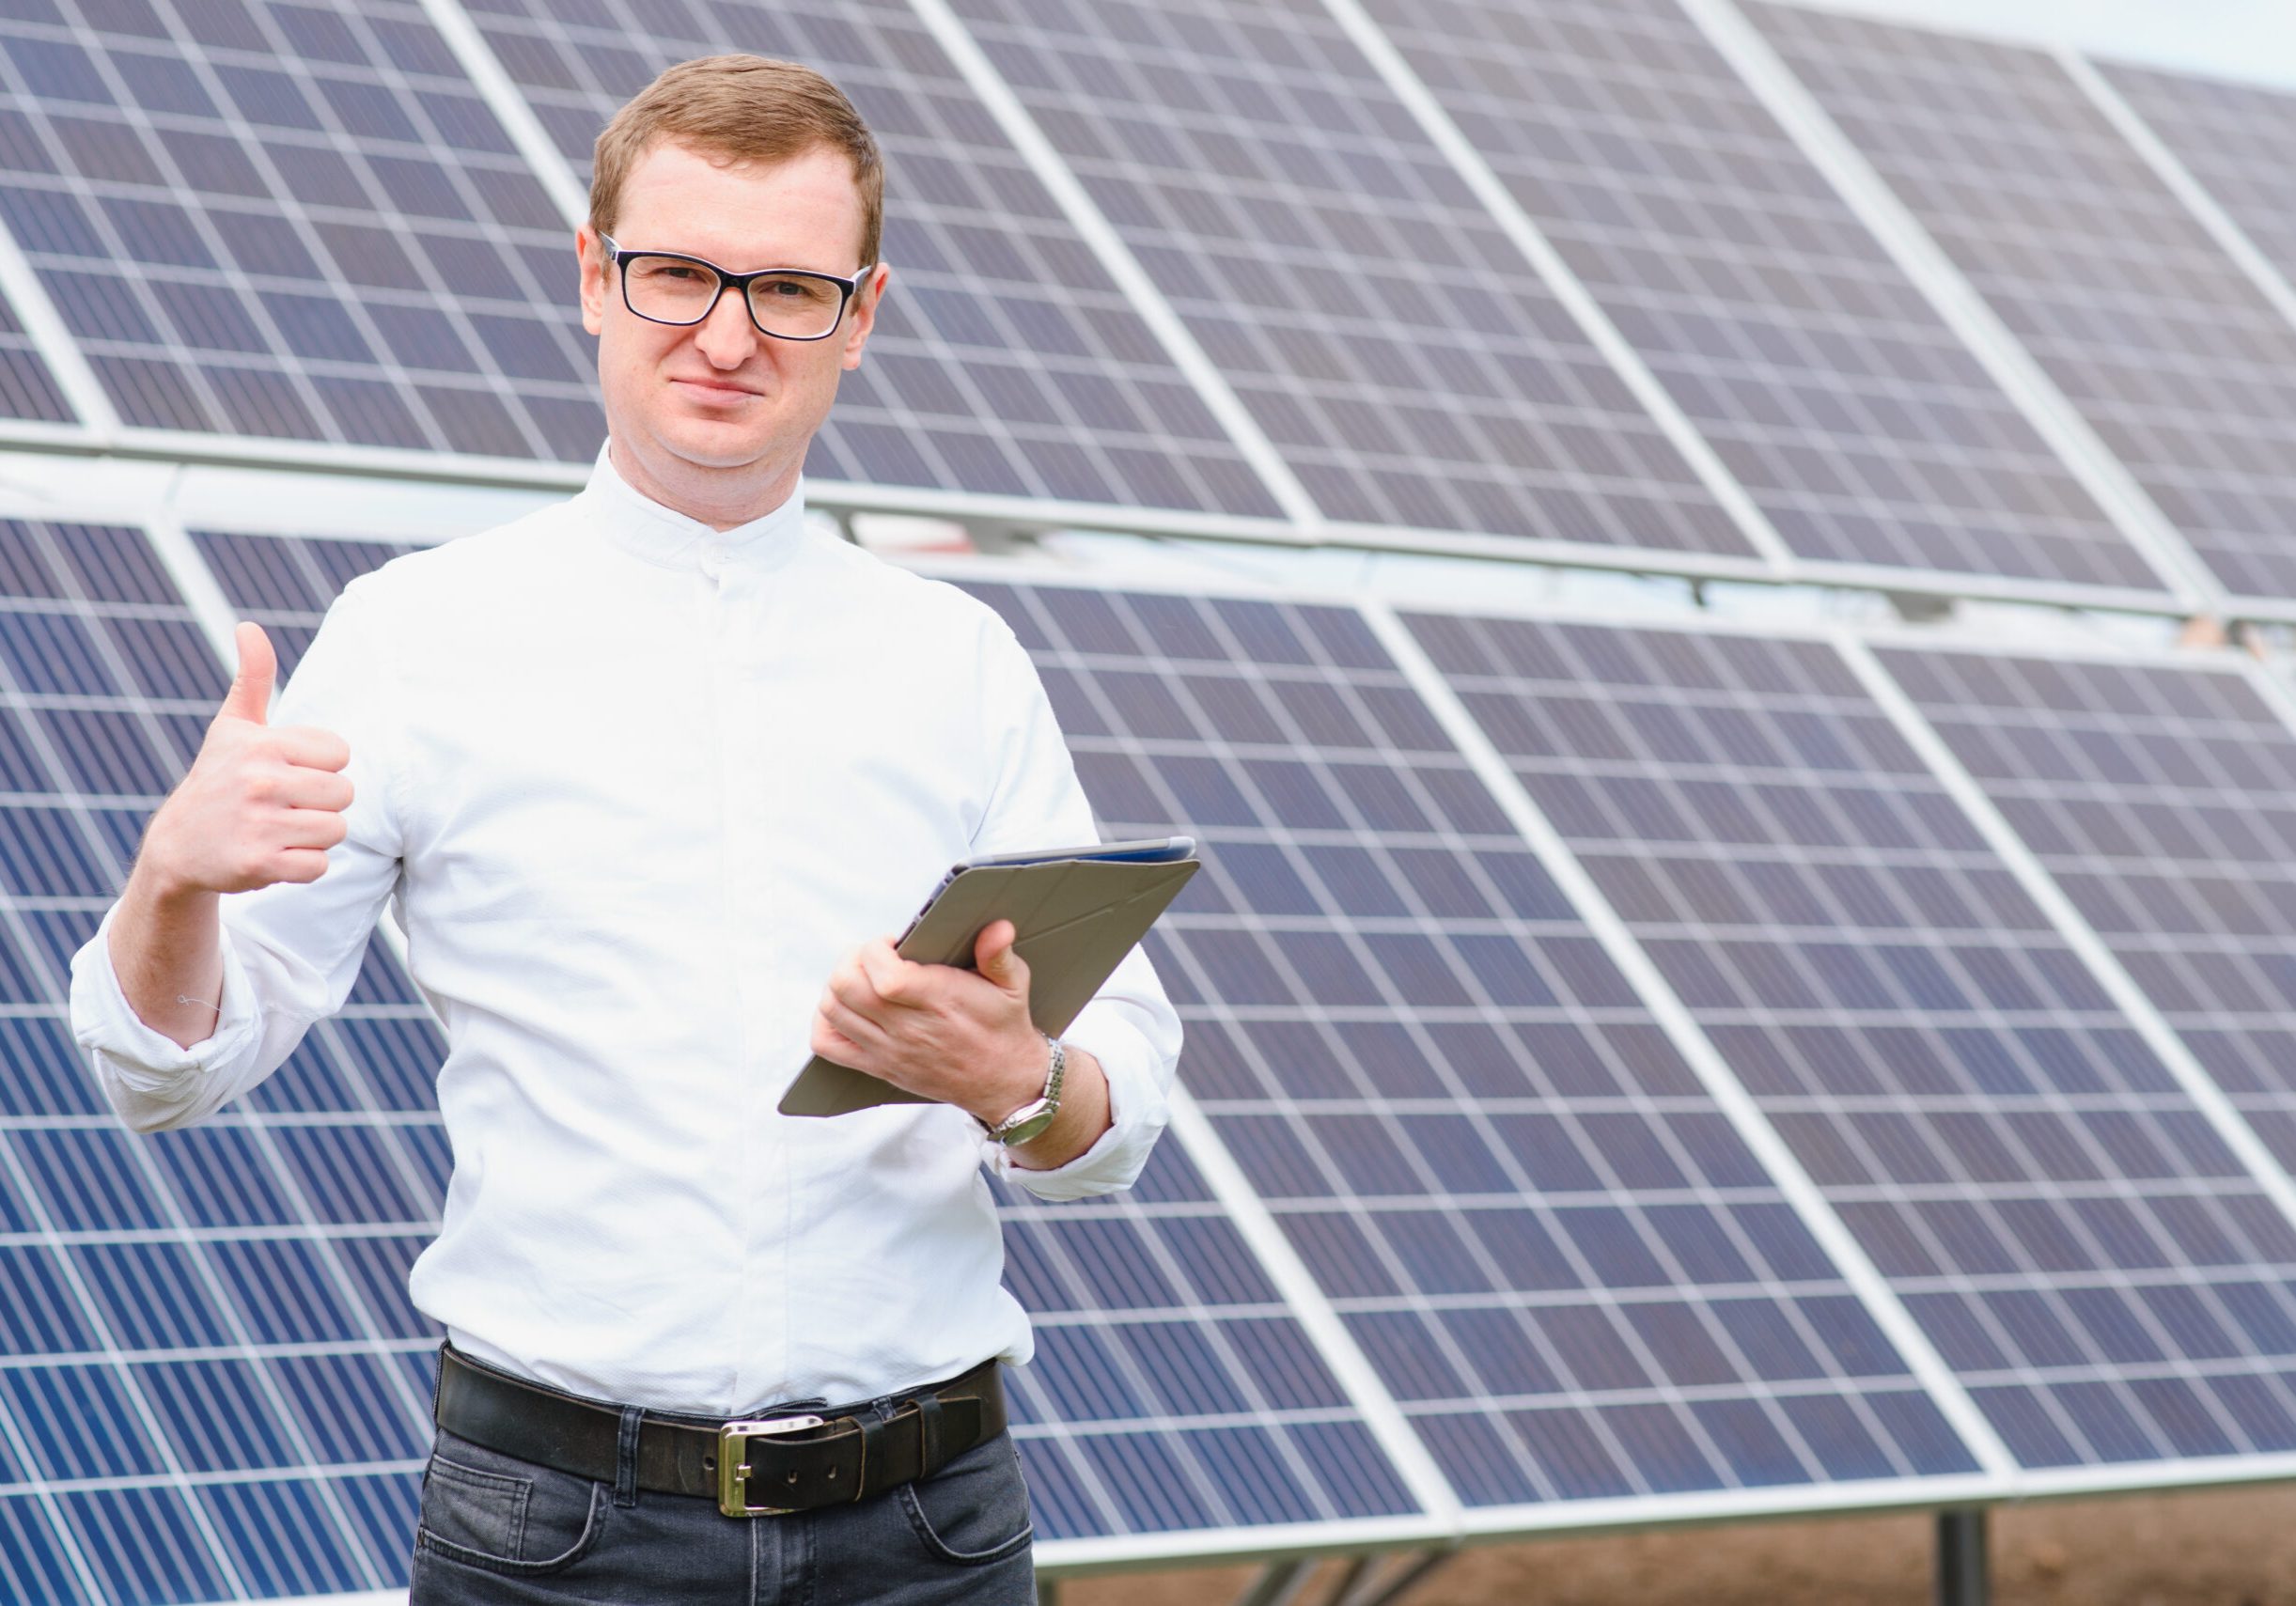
{"x": 2220, "y": 1548}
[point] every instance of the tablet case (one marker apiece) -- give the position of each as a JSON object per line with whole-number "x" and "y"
{"x": 1077, "y": 919}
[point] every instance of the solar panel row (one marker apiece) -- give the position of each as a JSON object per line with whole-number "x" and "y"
{"x": 1553, "y": 1249}
{"x": 307, "y": 223}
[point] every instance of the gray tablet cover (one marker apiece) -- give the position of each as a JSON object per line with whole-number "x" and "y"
{"x": 1077, "y": 920}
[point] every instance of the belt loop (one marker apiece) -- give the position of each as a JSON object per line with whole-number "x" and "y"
{"x": 626, "y": 1455}
{"x": 929, "y": 1432}
{"x": 872, "y": 1424}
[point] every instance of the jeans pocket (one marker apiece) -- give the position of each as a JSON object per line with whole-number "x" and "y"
{"x": 491, "y": 1511}
{"x": 974, "y": 1510}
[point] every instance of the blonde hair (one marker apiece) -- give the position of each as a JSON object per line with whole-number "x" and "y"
{"x": 741, "y": 108}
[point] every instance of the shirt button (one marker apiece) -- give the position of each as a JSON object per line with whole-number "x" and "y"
{"x": 713, "y": 561}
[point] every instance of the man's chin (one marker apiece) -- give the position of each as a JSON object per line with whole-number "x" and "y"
{"x": 717, "y": 444}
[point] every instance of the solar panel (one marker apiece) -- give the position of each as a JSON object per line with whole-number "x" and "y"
{"x": 1173, "y": 1387}
{"x": 1405, "y": 359}
{"x": 2070, "y": 1232}
{"x": 211, "y": 1382}
{"x": 294, "y": 221}
{"x": 1006, "y": 361}
{"x": 2172, "y": 355}
{"x": 2163, "y": 799}
{"x": 1866, "y": 430}
{"x": 1552, "y": 1248}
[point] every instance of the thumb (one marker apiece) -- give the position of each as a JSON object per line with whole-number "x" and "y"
{"x": 994, "y": 957}
{"x": 250, "y": 695}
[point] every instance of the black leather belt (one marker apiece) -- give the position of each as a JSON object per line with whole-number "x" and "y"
{"x": 752, "y": 1467}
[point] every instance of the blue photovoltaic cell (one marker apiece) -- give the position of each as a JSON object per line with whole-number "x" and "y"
{"x": 1172, "y": 1387}
{"x": 2162, "y": 801}
{"x": 1006, "y": 359}
{"x": 27, "y": 388}
{"x": 1863, "y": 426}
{"x": 1557, "y": 1253}
{"x": 2173, "y": 356}
{"x": 2072, "y": 1235}
{"x": 292, "y": 220}
{"x": 211, "y": 1298}
{"x": 1405, "y": 359}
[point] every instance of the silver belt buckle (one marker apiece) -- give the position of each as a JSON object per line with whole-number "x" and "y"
{"x": 733, "y": 1461}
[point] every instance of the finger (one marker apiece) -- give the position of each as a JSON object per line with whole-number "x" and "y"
{"x": 318, "y": 828}
{"x": 996, "y": 957}
{"x": 311, "y": 747}
{"x": 891, "y": 976}
{"x": 300, "y": 864}
{"x": 864, "y": 1033}
{"x": 315, "y": 788}
{"x": 249, "y": 698}
{"x": 850, "y": 988}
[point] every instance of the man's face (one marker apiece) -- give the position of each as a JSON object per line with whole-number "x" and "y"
{"x": 717, "y": 401}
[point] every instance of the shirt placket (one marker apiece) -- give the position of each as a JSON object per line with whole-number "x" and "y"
{"x": 757, "y": 1339}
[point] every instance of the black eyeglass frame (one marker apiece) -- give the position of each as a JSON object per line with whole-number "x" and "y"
{"x": 619, "y": 256}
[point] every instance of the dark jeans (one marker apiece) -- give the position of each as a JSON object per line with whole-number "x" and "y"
{"x": 497, "y": 1531}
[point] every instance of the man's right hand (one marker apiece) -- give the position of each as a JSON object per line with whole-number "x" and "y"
{"x": 261, "y": 803}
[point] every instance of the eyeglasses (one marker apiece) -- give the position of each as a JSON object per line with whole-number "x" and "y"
{"x": 789, "y": 303}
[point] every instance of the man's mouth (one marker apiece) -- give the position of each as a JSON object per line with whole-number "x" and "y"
{"x": 714, "y": 390}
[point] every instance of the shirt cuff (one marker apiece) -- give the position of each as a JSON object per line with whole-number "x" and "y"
{"x": 141, "y": 1059}
{"x": 1137, "y": 1110}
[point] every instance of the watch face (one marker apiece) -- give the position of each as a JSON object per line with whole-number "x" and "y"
{"x": 1028, "y": 1127}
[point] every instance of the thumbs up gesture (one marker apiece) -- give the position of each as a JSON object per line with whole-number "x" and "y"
{"x": 261, "y": 803}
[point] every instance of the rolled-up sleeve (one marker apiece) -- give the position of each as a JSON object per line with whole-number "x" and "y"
{"x": 290, "y": 952}
{"x": 1129, "y": 1026}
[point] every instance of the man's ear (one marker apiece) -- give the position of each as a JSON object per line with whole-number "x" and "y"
{"x": 593, "y": 258}
{"x": 863, "y": 317}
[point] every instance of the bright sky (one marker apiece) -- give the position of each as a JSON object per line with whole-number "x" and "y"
{"x": 2237, "y": 38}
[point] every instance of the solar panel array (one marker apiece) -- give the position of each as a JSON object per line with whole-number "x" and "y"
{"x": 2174, "y": 357}
{"x": 2078, "y": 1242}
{"x": 293, "y": 223}
{"x": 1478, "y": 1223}
{"x": 1867, "y": 430}
{"x": 1555, "y": 1254}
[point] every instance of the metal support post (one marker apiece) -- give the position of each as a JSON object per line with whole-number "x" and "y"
{"x": 1389, "y": 1586}
{"x": 1962, "y": 1577}
{"x": 1277, "y": 1582}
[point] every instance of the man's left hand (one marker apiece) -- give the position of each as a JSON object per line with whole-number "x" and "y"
{"x": 952, "y": 1035}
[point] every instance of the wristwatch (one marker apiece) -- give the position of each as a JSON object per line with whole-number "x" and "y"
{"x": 1030, "y": 1119}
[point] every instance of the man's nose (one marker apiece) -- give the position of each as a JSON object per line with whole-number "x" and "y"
{"x": 727, "y": 336}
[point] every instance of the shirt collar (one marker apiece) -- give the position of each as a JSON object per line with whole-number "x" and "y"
{"x": 645, "y": 528}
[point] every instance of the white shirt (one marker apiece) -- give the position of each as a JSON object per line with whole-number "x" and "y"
{"x": 636, "y": 786}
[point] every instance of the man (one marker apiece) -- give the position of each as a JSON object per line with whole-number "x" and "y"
{"x": 640, "y": 770}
